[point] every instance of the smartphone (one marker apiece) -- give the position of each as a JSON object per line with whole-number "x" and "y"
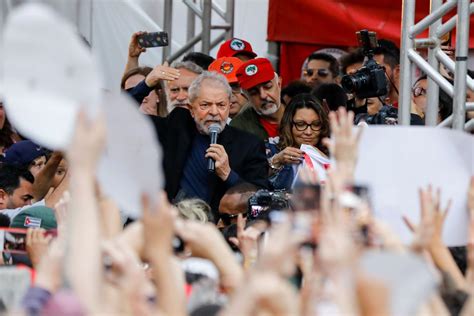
{"x": 153, "y": 39}
{"x": 306, "y": 198}
{"x": 13, "y": 240}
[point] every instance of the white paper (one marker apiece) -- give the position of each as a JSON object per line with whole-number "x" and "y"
{"x": 48, "y": 74}
{"x": 318, "y": 163}
{"x": 407, "y": 277}
{"x": 396, "y": 161}
{"x": 131, "y": 164}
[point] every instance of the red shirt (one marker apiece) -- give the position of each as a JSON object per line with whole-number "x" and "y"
{"x": 271, "y": 128}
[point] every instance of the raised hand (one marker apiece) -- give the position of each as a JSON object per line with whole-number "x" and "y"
{"x": 87, "y": 143}
{"x": 134, "y": 48}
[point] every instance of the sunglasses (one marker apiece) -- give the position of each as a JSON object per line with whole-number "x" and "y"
{"x": 321, "y": 72}
{"x": 229, "y": 219}
{"x": 419, "y": 91}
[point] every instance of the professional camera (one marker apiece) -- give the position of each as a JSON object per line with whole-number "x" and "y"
{"x": 369, "y": 81}
{"x": 263, "y": 201}
{"x": 388, "y": 115}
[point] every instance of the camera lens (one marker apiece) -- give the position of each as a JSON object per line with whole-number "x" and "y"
{"x": 357, "y": 82}
{"x": 347, "y": 83}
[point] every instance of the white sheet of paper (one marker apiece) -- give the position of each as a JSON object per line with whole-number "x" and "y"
{"x": 319, "y": 162}
{"x": 48, "y": 74}
{"x": 407, "y": 277}
{"x": 396, "y": 161}
{"x": 131, "y": 164}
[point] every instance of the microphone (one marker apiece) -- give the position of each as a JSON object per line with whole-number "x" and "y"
{"x": 214, "y": 130}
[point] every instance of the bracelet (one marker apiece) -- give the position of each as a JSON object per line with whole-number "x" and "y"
{"x": 272, "y": 166}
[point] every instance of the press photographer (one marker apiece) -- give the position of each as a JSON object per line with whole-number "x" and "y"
{"x": 377, "y": 81}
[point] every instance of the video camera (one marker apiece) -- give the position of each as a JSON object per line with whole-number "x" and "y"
{"x": 369, "y": 81}
{"x": 264, "y": 201}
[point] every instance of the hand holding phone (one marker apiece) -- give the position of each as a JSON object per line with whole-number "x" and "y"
{"x": 153, "y": 39}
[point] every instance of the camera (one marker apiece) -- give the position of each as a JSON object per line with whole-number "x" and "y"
{"x": 387, "y": 115}
{"x": 369, "y": 81}
{"x": 263, "y": 201}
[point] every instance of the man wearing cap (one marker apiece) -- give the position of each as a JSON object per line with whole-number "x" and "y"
{"x": 184, "y": 135}
{"x": 227, "y": 66}
{"x": 238, "y": 48}
{"x": 26, "y": 154}
{"x": 263, "y": 86}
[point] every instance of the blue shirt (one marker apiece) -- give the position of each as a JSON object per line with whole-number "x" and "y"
{"x": 195, "y": 180}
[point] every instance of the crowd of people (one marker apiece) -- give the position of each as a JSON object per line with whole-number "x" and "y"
{"x": 243, "y": 225}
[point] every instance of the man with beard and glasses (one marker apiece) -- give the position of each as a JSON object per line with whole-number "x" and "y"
{"x": 263, "y": 86}
{"x": 177, "y": 90}
{"x": 184, "y": 135}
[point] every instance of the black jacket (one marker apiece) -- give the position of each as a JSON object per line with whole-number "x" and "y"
{"x": 245, "y": 151}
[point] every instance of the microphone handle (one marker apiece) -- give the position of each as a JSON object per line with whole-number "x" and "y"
{"x": 211, "y": 164}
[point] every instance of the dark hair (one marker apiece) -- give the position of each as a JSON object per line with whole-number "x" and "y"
{"x": 295, "y": 87}
{"x": 333, "y": 63}
{"x": 10, "y": 177}
{"x": 200, "y": 59}
{"x": 390, "y": 52}
{"x": 445, "y": 102}
{"x": 353, "y": 57}
{"x": 6, "y": 134}
{"x": 4, "y": 220}
{"x": 302, "y": 101}
{"x": 144, "y": 71}
{"x": 334, "y": 95}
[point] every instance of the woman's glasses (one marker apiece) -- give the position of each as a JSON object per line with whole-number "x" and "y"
{"x": 419, "y": 91}
{"x": 302, "y": 126}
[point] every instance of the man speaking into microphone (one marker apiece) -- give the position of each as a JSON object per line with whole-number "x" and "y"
{"x": 195, "y": 166}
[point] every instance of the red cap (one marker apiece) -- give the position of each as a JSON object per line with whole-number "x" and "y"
{"x": 226, "y": 66}
{"x": 235, "y": 46}
{"x": 254, "y": 72}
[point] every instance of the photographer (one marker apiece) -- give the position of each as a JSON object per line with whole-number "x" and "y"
{"x": 379, "y": 77}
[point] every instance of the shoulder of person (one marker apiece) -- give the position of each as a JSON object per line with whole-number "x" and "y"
{"x": 245, "y": 117}
{"x": 241, "y": 135}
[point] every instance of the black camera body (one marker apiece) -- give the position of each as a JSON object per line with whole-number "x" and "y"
{"x": 263, "y": 201}
{"x": 388, "y": 115}
{"x": 369, "y": 81}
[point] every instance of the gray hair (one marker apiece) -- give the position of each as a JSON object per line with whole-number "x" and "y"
{"x": 213, "y": 78}
{"x": 194, "y": 209}
{"x": 188, "y": 65}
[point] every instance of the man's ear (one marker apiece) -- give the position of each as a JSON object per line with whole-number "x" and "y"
{"x": 279, "y": 82}
{"x": 396, "y": 75}
{"x": 3, "y": 198}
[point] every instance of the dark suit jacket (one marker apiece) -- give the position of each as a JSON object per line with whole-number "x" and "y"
{"x": 245, "y": 151}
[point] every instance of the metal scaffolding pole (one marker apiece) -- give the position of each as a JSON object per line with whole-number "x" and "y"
{"x": 462, "y": 46}
{"x": 191, "y": 27}
{"x": 167, "y": 26}
{"x": 206, "y": 26}
{"x": 229, "y": 18}
{"x": 408, "y": 20}
{"x": 431, "y": 115}
{"x": 410, "y": 58}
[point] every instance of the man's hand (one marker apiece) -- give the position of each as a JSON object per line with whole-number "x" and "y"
{"x": 37, "y": 244}
{"x": 87, "y": 143}
{"x": 218, "y": 153}
{"x": 161, "y": 72}
{"x": 158, "y": 226}
{"x": 134, "y": 49}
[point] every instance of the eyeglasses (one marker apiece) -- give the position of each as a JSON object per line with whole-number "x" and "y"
{"x": 302, "y": 126}
{"x": 322, "y": 72}
{"x": 419, "y": 91}
{"x": 228, "y": 219}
